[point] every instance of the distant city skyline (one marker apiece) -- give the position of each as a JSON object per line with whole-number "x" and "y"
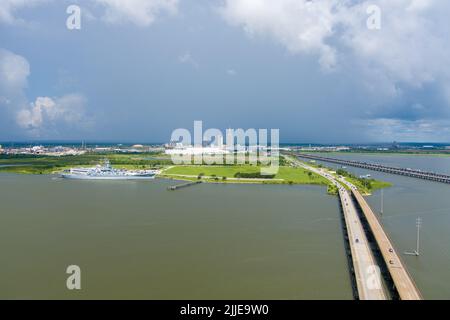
{"x": 417, "y": 144}
{"x": 312, "y": 69}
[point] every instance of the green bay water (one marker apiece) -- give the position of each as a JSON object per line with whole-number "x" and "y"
{"x": 408, "y": 199}
{"x": 136, "y": 240}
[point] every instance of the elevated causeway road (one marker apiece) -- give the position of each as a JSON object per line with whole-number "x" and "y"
{"x": 368, "y": 279}
{"x": 378, "y": 167}
{"x": 403, "y": 282}
{"x": 367, "y": 274}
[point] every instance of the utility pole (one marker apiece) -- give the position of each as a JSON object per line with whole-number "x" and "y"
{"x": 417, "y": 251}
{"x": 418, "y": 224}
{"x": 382, "y": 201}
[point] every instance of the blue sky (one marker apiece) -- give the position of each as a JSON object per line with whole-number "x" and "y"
{"x": 138, "y": 69}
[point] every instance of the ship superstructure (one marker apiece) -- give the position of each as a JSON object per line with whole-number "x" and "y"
{"x": 106, "y": 172}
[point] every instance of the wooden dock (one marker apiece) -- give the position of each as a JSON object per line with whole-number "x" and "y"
{"x": 184, "y": 185}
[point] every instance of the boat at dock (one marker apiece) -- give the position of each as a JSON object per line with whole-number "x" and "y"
{"x": 106, "y": 172}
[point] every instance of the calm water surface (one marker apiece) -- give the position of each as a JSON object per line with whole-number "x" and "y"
{"x": 138, "y": 240}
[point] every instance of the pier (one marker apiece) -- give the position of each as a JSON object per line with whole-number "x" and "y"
{"x": 184, "y": 185}
{"x": 414, "y": 173}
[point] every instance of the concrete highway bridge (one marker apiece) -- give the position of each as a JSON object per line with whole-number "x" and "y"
{"x": 378, "y": 167}
{"x": 376, "y": 267}
{"x": 402, "y": 281}
{"x": 366, "y": 273}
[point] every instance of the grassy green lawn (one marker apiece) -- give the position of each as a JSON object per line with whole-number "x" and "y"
{"x": 220, "y": 171}
{"x": 284, "y": 175}
{"x": 300, "y": 175}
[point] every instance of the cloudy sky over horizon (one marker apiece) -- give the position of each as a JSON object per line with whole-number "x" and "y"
{"x": 138, "y": 69}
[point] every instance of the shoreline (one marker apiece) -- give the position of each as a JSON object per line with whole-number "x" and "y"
{"x": 209, "y": 179}
{"x": 286, "y": 174}
{"x": 380, "y": 153}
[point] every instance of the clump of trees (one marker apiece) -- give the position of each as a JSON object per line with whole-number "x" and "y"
{"x": 332, "y": 189}
{"x": 366, "y": 183}
{"x": 253, "y": 175}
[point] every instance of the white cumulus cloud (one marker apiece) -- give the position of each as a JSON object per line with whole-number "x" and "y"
{"x": 44, "y": 116}
{"x": 411, "y": 46}
{"x": 408, "y": 55}
{"x": 301, "y": 26}
{"x": 50, "y": 114}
